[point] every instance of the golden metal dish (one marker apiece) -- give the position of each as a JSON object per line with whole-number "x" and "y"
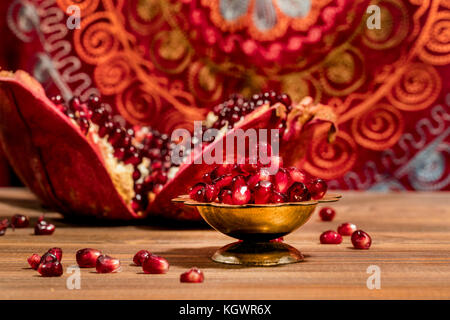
{"x": 256, "y": 225}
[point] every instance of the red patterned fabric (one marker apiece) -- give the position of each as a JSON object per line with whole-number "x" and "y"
{"x": 166, "y": 63}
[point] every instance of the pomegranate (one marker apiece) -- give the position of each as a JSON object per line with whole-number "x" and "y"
{"x": 140, "y": 256}
{"x": 346, "y": 229}
{"x": 327, "y": 214}
{"x": 87, "y": 257}
{"x": 155, "y": 265}
{"x": 34, "y": 261}
{"x": 20, "y": 221}
{"x": 361, "y": 240}
{"x": 87, "y": 162}
{"x": 194, "y": 275}
{"x": 51, "y": 269}
{"x": 107, "y": 264}
{"x": 330, "y": 237}
{"x": 42, "y": 227}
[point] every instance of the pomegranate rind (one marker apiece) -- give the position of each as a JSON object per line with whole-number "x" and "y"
{"x": 51, "y": 155}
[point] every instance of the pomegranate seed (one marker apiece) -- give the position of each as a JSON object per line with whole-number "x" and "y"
{"x": 197, "y": 192}
{"x": 140, "y": 257}
{"x": 238, "y": 181}
{"x": 194, "y": 275}
{"x": 241, "y": 195}
{"x": 298, "y": 192}
{"x": 136, "y": 174}
{"x": 226, "y": 196}
{"x": 42, "y": 227}
{"x": 87, "y": 257}
{"x": 75, "y": 104}
{"x": 34, "y": 261}
{"x": 155, "y": 265}
{"x": 278, "y": 197}
{"x": 361, "y": 240}
{"x": 330, "y": 237}
{"x": 4, "y": 224}
{"x": 317, "y": 188}
{"x": 119, "y": 153}
{"x": 211, "y": 192}
{"x": 206, "y": 178}
{"x": 297, "y": 175}
{"x": 57, "y": 252}
{"x": 99, "y": 116}
{"x": 223, "y": 181}
{"x": 51, "y": 269}
{"x": 48, "y": 257}
{"x": 19, "y": 221}
{"x": 263, "y": 191}
{"x": 107, "y": 264}
{"x": 346, "y": 229}
{"x": 105, "y": 129}
{"x": 284, "y": 99}
{"x": 327, "y": 214}
{"x": 282, "y": 180}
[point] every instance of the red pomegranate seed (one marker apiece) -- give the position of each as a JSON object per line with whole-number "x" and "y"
{"x": 327, "y": 214}
{"x": 241, "y": 195}
{"x": 226, "y": 196}
{"x": 263, "y": 192}
{"x": 197, "y": 192}
{"x": 34, "y": 261}
{"x": 4, "y": 224}
{"x": 19, "y": 221}
{"x": 284, "y": 99}
{"x": 297, "y": 175}
{"x": 361, "y": 240}
{"x": 317, "y": 188}
{"x": 346, "y": 229}
{"x": 207, "y": 178}
{"x": 282, "y": 180}
{"x": 57, "y": 252}
{"x": 223, "y": 181}
{"x": 42, "y": 227}
{"x": 155, "y": 265}
{"x": 194, "y": 275}
{"x": 298, "y": 192}
{"x": 140, "y": 257}
{"x": 278, "y": 197}
{"x": 237, "y": 181}
{"x": 87, "y": 257}
{"x": 330, "y": 237}
{"x": 107, "y": 264}
{"x": 48, "y": 257}
{"x": 51, "y": 269}
{"x": 211, "y": 192}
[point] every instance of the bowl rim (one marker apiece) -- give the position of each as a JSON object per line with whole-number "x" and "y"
{"x": 332, "y": 197}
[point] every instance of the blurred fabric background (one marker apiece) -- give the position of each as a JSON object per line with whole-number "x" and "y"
{"x": 166, "y": 63}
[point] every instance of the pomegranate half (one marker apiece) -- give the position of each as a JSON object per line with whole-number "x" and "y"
{"x": 73, "y": 170}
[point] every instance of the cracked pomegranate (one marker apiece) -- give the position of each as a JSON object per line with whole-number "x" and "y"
{"x": 155, "y": 265}
{"x": 330, "y": 237}
{"x": 361, "y": 240}
{"x": 327, "y": 214}
{"x": 140, "y": 257}
{"x": 107, "y": 264}
{"x": 120, "y": 171}
{"x": 346, "y": 229}
{"x": 87, "y": 257}
{"x": 194, "y": 275}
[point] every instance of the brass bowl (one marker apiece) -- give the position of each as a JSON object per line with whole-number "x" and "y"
{"x": 256, "y": 225}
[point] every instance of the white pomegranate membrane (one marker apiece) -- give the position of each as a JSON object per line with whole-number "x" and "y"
{"x": 144, "y": 155}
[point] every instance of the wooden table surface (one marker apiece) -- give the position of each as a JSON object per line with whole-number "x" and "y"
{"x": 411, "y": 246}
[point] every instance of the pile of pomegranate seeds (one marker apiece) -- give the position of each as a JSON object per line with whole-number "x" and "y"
{"x": 194, "y": 275}
{"x": 330, "y": 237}
{"x": 87, "y": 257}
{"x": 42, "y": 227}
{"x": 147, "y": 150}
{"x": 19, "y": 221}
{"x": 49, "y": 265}
{"x": 140, "y": 257}
{"x": 327, "y": 214}
{"x": 107, "y": 264}
{"x": 361, "y": 240}
{"x": 155, "y": 265}
{"x": 239, "y": 184}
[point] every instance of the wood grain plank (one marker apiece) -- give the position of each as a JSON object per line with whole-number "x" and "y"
{"x": 411, "y": 245}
